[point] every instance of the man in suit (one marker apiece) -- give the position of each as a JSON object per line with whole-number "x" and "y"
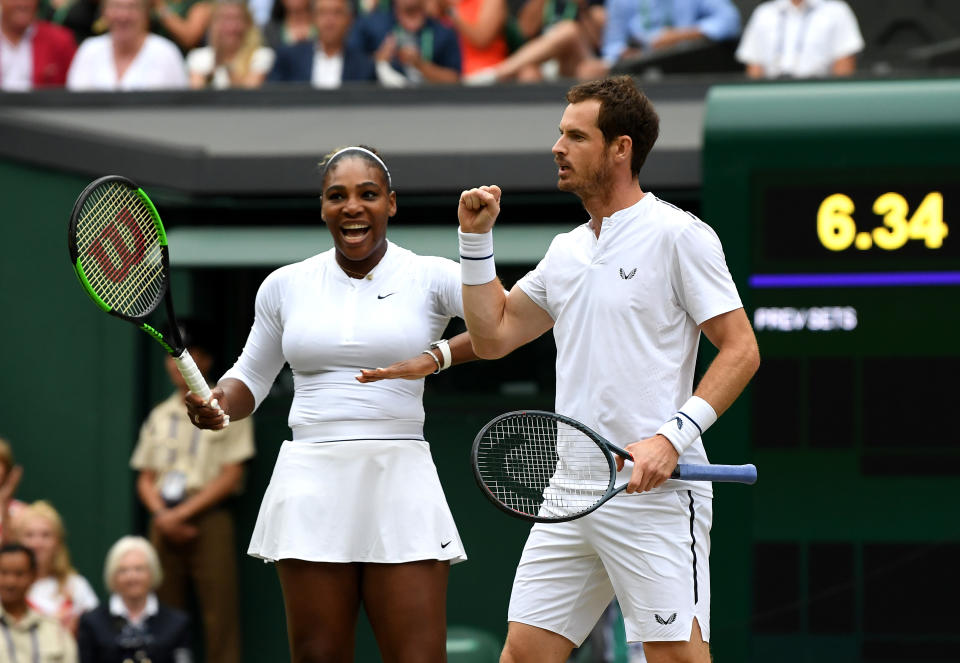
{"x": 328, "y": 61}
{"x": 33, "y": 53}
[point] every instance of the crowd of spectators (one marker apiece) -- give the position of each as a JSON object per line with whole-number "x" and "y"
{"x": 173, "y": 44}
{"x": 185, "y": 479}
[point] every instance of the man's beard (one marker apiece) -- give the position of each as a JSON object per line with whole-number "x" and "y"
{"x": 595, "y": 182}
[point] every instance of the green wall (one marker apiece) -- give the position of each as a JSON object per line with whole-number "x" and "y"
{"x": 69, "y": 395}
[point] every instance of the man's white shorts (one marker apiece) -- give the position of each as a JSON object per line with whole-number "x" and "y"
{"x": 652, "y": 550}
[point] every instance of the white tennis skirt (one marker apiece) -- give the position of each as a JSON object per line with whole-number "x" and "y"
{"x": 355, "y": 501}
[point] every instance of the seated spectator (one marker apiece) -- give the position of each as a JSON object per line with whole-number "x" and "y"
{"x": 801, "y": 39}
{"x": 291, "y": 23}
{"x": 328, "y": 61}
{"x": 636, "y": 28}
{"x": 33, "y": 53}
{"x": 235, "y": 56}
{"x": 563, "y": 38}
{"x": 10, "y": 475}
{"x": 408, "y": 46}
{"x": 133, "y": 625}
{"x": 480, "y": 25}
{"x": 186, "y": 479}
{"x": 30, "y": 636}
{"x": 128, "y": 57}
{"x": 184, "y": 22}
{"x": 58, "y": 591}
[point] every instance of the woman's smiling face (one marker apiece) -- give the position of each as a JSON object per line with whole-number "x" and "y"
{"x": 356, "y": 206}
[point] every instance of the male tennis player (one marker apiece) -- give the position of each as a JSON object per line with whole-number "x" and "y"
{"x": 627, "y": 295}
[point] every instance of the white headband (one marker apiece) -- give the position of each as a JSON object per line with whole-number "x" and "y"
{"x": 365, "y": 151}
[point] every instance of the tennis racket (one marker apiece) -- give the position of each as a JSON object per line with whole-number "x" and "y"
{"x": 119, "y": 251}
{"x": 548, "y": 468}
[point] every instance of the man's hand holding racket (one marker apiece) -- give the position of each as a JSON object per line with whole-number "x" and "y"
{"x": 479, "y": 208}
{"x": 654, "y": 460}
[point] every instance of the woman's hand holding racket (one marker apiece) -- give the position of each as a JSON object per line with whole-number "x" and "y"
{"x": 118, "y": 249}
{"x": 209, "y": 414}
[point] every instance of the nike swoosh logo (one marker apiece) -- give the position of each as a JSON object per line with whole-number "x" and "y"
{"x": 385, "y": 296}
{"x": 444, "y": 545}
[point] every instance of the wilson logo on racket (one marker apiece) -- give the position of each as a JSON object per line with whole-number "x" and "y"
{"x": 666, "y": 622}
{"x": 628, "y": 275}
{"x": 127, "y": 255}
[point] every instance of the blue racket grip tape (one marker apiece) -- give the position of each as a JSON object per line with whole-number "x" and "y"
{"x": 734, "y": 473}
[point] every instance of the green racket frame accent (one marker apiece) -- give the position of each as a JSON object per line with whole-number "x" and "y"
{"x": 174, "y": 344}
{"x": 155, "y": 215}
{"x": 158, "y": 337}
{"x": 82, "y": 277}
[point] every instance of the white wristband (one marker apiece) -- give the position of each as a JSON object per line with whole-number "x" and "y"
{"x": 476, "y": 258}
{"x": 691, "y": 420}
{"x": 444, "y": 347}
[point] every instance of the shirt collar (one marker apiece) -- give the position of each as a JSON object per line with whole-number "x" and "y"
{"x": 628, "y": 213}
{"x": 25, "y": 39}
{"x": 805, "y": 6}
{"x": 30, "y": 619}
{"x": 119, "y": 608}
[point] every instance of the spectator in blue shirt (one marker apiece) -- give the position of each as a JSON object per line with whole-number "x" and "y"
{"x": 409, "y": 46}
{"x": 637, "y": 26}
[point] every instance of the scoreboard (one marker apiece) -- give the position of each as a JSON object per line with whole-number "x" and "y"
{"x": 838, "y": 205}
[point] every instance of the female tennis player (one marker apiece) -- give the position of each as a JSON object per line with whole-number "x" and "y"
{"x": 354, "y": 512}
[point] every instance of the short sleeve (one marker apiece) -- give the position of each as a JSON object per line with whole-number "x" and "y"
{"x": 143, "y": 454}
{"x": 847, "y": 37}
{"x": 750, "y": 50}
{"x": 262, "y": 60}
{"x": 79, "y": 76}
{"x": 447, "y": 287}
{"x": 701, "y": 278}
{"x": 534, "y": 283}
{"x": 82, "y": 594}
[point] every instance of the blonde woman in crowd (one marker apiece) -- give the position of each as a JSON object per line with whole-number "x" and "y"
{"x": 59, "y": 591}
{"x": 236, "y": 56}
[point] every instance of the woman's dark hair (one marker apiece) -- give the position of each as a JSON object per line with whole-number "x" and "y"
{"x": 368, "y": 154}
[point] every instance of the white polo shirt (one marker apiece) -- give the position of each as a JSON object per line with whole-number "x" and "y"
{"x": 328, "y": 326}
{"x": 16, "y": 62}
{"x": 627, "y": 308}
{"x": 157, "y": 66}
{"x": 800, "y": 41}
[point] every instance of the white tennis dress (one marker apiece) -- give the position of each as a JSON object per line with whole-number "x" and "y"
{"x": 357, "y": 482}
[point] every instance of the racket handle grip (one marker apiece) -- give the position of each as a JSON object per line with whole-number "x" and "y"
{"x": 193, "y": 376}
{"x": 732, "y": 473}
